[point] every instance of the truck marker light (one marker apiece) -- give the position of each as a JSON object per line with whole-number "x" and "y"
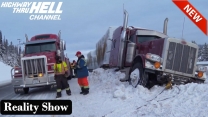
{"x": 157, "y": 65}
{"x": 200, "y": 74}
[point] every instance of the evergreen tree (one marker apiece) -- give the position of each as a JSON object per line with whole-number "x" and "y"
{"x": 6, "y": 45}
{"x": 200, "y": 54}
{"x": 1, "y": 44}
{"x": 193, "y": 42}
{"x": 2, "y": 49}
{"x": 204, "y": 53}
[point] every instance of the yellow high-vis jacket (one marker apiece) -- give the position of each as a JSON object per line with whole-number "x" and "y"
{"x": 60, "y": 68}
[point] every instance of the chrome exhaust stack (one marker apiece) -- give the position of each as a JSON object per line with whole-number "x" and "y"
{"x": 26, "y": 38}
{"x": 165, "y": 26}
{"x": 122, "y": 40}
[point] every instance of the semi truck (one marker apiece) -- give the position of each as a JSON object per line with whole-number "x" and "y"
{"x": 37, "y": 62}
{"x": 149, "y": 57}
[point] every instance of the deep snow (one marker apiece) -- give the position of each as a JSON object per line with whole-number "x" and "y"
{"x": 5, "y": 74}
{"x": 111, "y": 98}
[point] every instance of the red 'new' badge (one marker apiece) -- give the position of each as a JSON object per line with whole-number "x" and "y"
{"x": 193, "y": 14}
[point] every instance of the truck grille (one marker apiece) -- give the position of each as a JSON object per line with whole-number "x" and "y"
{"x": 180, "y": 58}
{"x": 32, "y": 67}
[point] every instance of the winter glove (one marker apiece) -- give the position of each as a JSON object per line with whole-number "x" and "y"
{"x": 168, "y": 85}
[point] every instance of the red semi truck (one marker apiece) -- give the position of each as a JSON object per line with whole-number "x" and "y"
{"x": 149, "y": 57}
{"x": 37, "y": 62}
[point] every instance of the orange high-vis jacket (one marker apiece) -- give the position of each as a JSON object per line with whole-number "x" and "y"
{"x": 60, "y": 68}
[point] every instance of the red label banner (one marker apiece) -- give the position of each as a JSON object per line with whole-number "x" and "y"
{"x": 194, "y": 15}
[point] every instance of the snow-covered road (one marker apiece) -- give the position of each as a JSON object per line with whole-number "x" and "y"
{"x": 111, "y": 98}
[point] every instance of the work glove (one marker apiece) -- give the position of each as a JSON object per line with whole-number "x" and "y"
{"x": 168, "y": 85}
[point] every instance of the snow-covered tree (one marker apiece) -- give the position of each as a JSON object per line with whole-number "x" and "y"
{"x": 1, "y": 44}
{"x": 204, "y": 53}
{"x": 9, "y": 53}
{"x": 193, "y": 42}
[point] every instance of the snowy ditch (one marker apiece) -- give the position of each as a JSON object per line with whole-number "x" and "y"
{"x": 109, "y": 97}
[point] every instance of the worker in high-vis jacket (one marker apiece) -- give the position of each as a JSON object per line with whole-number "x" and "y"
{"x": 60, "y": 69}
{"x": 82, "y": 73}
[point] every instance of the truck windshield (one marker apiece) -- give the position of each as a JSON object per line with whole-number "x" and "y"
{"x": 40, "y": 47}
{"x": 141, "y": 39}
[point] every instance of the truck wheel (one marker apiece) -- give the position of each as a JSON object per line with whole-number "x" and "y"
{"x": 16, "y": 91}
{"x": 26, "y": 90}
{"x": 137, "y": 76}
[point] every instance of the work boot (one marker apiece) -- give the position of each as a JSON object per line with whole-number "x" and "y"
{"x": 58, "y": 95}
{"x": 86, "y": 91}
{"x": 82, "y": 90}
{"x": 68, "y": 92}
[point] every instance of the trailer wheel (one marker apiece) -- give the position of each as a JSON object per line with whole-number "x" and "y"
{"x": 138, "y": 76}
{"x": 26, "y": 90}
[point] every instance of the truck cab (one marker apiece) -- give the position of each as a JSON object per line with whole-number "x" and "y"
{"x": 149, "y": 57}
{"x": 37, "y": 62}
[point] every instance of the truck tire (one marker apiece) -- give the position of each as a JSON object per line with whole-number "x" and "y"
{"x": 26, "y": 90}
{"x": 16, "y": 91}
{"x": 142, "y": 77}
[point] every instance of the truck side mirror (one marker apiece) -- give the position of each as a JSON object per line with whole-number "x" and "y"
{"x": 58, "y": 53}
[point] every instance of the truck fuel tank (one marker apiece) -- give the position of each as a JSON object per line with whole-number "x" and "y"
{"x": 131, "y": 47}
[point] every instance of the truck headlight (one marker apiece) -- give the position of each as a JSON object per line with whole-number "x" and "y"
{"x": 153, "y": 57}
{"x": 201, "y": 68}
{"x": 17, "y": 71}
{"x": 40, "y": 75}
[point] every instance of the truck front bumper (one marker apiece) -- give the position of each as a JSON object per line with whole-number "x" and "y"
{"x": 164, "y": 77}
{"x": 28, "y": 82}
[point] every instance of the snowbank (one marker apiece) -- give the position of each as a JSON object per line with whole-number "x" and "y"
{"x": 109, "y": 97}
{"x": 122, "y": 100}
{"x": 5, "y": 74}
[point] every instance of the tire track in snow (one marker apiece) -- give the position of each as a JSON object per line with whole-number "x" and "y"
{"x": 137, "y": 106}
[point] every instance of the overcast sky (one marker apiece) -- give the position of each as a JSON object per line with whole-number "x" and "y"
{"x": 84, "y": 22}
